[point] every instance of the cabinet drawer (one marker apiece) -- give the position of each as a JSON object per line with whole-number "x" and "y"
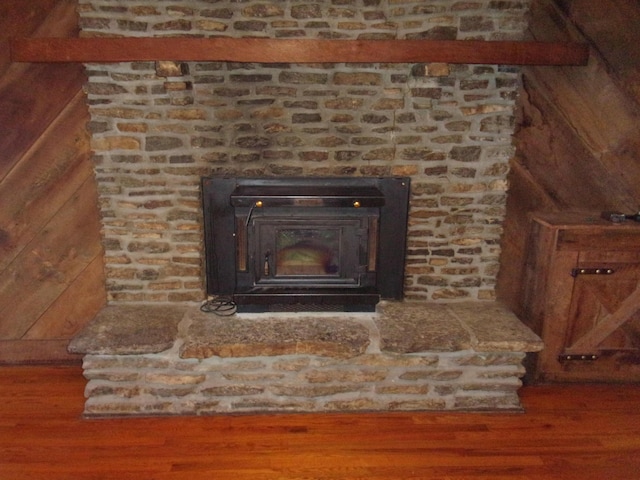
{"x": 606, "y": 238}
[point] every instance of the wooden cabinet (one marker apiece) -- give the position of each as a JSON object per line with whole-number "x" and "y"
{"x": 582, "y": 296}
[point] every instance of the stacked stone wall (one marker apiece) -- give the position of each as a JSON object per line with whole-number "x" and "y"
{"x": 157, "y": 127}
{"x": 164, "y": 384}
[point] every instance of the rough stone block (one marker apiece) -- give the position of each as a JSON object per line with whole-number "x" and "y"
{"x": 130, "y": 330}
{"x": 239, "y": 337}
{"x": 495, "y": 328}
{"x": 410, "y": 328}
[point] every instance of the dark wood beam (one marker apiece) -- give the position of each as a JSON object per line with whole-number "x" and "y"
{"x": 265, "y": 50}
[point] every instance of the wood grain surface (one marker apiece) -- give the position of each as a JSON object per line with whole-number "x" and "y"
{"x": 567, "y": 432}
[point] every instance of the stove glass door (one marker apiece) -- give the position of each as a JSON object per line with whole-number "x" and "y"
{"x": 307, "y": 251}
{"x": 311, "y": 251}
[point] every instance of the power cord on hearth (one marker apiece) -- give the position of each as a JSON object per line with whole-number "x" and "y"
{"x": 221, "y": 306}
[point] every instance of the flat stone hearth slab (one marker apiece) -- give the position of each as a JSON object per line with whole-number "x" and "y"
{"x": 495, "y": 328}
{"x": 398, "y": 327}
{"x": 407, "y": 327}
{"x": 208, "y": 336}
{"x": 412, "y": 328}
{"x": 130, "y": 330}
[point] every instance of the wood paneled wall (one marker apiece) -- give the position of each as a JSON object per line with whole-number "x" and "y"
{"x": 578, "y": 146}
{"x": 51, "y": 267}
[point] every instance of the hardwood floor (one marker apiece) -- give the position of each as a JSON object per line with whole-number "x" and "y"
{"x": 567, "y": 432}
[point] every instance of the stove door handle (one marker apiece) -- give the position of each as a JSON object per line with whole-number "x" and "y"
{"x": 266, "y": 267}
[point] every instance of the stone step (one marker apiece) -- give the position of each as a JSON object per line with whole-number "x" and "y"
{"x": 396, "y": 327}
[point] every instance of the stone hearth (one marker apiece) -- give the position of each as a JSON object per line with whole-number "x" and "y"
{"x": 176, "y": 360}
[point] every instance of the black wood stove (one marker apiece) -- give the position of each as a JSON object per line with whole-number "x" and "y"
{"x": 305, "y": 244}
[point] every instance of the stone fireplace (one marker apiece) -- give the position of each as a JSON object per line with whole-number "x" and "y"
{"x": 159, "y": 127}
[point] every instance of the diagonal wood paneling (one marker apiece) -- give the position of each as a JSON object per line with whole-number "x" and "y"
{"x": 43, "y": 180}
{"x": 51, "y": 266}
{"x": 577, "y": 139}
{"x": 19, "y": 18}
{"x": 49, "y": 263}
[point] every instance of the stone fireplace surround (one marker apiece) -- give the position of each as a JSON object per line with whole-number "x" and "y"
{"x": 158, "y": 127}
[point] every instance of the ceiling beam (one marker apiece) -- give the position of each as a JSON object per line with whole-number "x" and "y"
{"x": 266, "y": 50}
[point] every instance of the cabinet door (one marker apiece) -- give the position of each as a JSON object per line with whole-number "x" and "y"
{"x": 589, "y": 322}
{"x": 601, "y": 340}
{"x": 605, "y": 309}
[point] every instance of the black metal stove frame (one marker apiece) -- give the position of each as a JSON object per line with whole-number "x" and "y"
{"x": 366, "y": 217}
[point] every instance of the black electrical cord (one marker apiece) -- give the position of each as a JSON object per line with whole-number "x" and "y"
{"x": 221, "y": 306}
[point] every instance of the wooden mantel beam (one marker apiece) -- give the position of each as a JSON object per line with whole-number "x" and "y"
{"x": 266, "y": 50}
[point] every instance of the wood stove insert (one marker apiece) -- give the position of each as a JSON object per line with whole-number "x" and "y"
{"x": 303, "y": 244}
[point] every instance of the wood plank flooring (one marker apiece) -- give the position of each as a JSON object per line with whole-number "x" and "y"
{"x": 567, "y": 432}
